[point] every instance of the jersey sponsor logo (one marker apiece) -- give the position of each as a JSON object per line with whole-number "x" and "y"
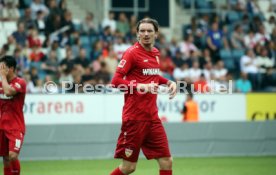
{"x": 122, "y": 63}
{"x": 157, "y": 59}
{"x": 128, "y": 152}
{"x": 17, "y": 85}
{"x": 146, "y": 60}
{"x": 151, "y": 71}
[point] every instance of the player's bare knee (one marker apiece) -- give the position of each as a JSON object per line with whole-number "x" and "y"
{"x": 128, "y": 169}
{"x": 165, "y": 163}
{"x": 13, "y": 156}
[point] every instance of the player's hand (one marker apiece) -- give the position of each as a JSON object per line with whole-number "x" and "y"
{"x": 3, "y": 70}
{"x": 172, "y": 89}
{"x": 148, "y": 88}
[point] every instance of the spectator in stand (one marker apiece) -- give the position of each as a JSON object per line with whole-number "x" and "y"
{"x": 122, "y": 24}
{"x": 237, "y": 38}
{"x": 33, "y": 39}
{"x": 243, "y": 85}
{"x": 131, "y": 35}
{"x": 273, "y": 35}
{"x": 111, "y": 62}
{"x": 88, "y": 26}
{"x": 182, "y": 73}
{"x": 66, "y": 65}
{"x": 67, "y": 21}
{"x": 53, "y": 24}
{"x": 40, "y": 22}
{"x": 50, "y": 65}
{"x": 82, "y": 60}
{"x": 34, "y": 75}
{"x": 4, "y": 50}
{"x": 249, "y": 66}
{"x": 177, "y": 59}
{"x": 22, "y": 62}
{"x": 263, "y": 61}
{"x": 262, "y": 36}
{"x": 109, "y": 21}
{"x": 201, "y": 85}
{"x": 248, "y": 63}
{"x": 88, "y": 76}
{"x": 12, "y": 45}
{"x": 195, "y": 72}
{"x": 173, "y": 48}
{"x": 10, "y": 12}
{"x": 120, "y": 47}
{"x": 220, "y": 72}
{"x": 20, "y": 35}
{"x": 106, "y": 35}
{"x": 103, "y": 76}
{"x": 132, "y": 21}
{"x": 53, "y": 8}
{"x": 250, "y": 40}
{"x": 205, "y": 58}
{"x": 187, "y": 46}
{"x": 272, "y": 51}
{"x": 195, "y": 30}
{"x": 97, "y": 50}
{"x": 216, "y": 41}
{"x": 36, "y": 55}
{"x": 27, "y": 18}
{"x": 36, "y": 6}
{"x": 166, "y": 64}
{"x": 270, "y": 24}
{"x": 207, "y": 71}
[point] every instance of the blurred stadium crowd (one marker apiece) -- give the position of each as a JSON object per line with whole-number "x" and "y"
{"x": 238, "y": 43}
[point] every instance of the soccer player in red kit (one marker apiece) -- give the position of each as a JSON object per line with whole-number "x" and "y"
{"x": 12, "y": 125}
{"x": 141, "y": 128}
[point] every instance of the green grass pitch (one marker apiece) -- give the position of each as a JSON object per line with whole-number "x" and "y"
{"x": 182, "y": 166}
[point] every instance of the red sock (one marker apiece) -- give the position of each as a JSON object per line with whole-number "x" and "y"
{"x": 7, "y": 171}
{"x": 117, "y": 171}
{"x": 15, "y": 167}
{"x": 165, "y": 172}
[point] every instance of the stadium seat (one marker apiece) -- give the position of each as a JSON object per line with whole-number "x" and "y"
{"x": 233, "y": 16}
{"x": 237, "y": 54}
{"x": 85, "y": 41}
{"x": 28, "y": 2}
{"x": 202, "y": 4}
{"x": 227, "y": 58}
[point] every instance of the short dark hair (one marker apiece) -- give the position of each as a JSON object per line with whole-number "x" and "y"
{"x": 148, "y": 20}
{"x": 9, "y": 61}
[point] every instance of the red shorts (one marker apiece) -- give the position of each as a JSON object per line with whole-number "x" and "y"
{"x": 10, "y": 141}
{"x": 148, "y": 135}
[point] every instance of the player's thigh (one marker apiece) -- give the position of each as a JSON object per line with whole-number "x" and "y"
{"x": 156, "y": 143}
{"x": 4, "y": 144}
{"x": 16, "y": 139}
{"x": 130, "y": 140}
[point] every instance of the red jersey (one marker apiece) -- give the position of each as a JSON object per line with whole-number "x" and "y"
{"x": 11, "y": 108}
{"x": 139, "y": 66}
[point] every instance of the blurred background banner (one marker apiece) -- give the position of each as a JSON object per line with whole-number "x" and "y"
{"x": 95, "y": 109}
{"x": 261, "y": 106}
